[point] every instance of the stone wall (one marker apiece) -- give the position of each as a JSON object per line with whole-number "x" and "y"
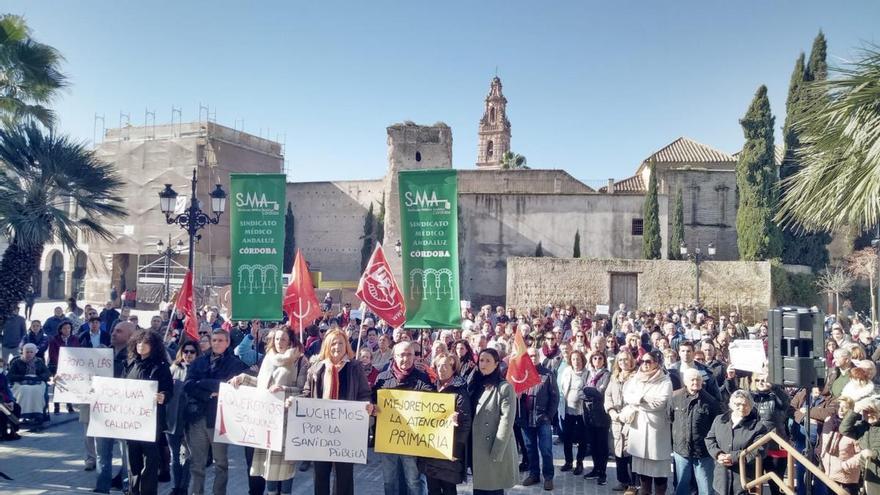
{"x": 709, "y": 199}
{"x": 724, "y": 285}
{"x": 495, "y": 227}
{"x": 329, "y": 221}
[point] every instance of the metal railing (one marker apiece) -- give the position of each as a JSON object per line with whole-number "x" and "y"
{"x": 787, "y": 486}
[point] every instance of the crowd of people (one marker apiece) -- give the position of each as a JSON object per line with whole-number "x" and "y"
{"x": 653, "y": 390}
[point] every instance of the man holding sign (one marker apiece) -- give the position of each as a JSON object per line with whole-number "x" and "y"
{"x": 401, "y": 375}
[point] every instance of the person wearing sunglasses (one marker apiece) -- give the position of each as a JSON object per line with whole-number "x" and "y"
{"x": 596, "y": 419}
{"x": 175, "y": 421}
{"x": 646, "y": 396}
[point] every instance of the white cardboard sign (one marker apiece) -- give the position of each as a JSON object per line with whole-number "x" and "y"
{"x": 123, "y": 409}
{"x": 250, "y": 417}
{"x": 327, "y": 430}
{"x": 76, "y": 367}
{"x": 747, "y": 355}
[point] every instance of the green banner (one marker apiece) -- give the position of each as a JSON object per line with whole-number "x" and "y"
{"x": 256, "y": 240}
{"x": 429, "y": 239}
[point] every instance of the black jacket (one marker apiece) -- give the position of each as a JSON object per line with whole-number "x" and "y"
{"x": 773, "y": 408}
{"x": 149, "y": 369}
{"x": 417, "y": 380}
{"x": 725, "y": 438}
{"x": 353, "y": 383}
{"x": 453, "y": 471}
{"x": 203, "y": 379}
{"x": 539, "y": 404}
{"x": 692, "y": 416}
{"x": 709, "y": 383}
{"x": 85, "y": 340}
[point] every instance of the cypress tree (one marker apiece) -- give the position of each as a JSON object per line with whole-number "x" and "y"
{"x": 676, "y": 233}
{"x": 758, "y": 237}
{"x": 576, "y": 252}
{"x": 651, "y": 242}
{"x": 802, "y": 248}
{"x": 380, "y": 221}
{"x": 367, "y": 247}
{"x": 539, "y": 250}
{"x": 289, "y": 239}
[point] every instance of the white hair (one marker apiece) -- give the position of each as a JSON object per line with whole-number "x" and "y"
{"x": 691, "y": 373}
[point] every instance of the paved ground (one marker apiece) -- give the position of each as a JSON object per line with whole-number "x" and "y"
{"x": 50, "y": 462}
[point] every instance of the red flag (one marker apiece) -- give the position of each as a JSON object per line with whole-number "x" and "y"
{"x": 186, "y": 304}
{"x": 300, "y": 301}
{"x": 379, "y": 290}
{"x": 521, "y": 371}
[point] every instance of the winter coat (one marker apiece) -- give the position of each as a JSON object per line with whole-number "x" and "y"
{"x": 18, "y": 368}
{"x": 453, "y": 471}
{"x": 151, "y": 369}
{"x": 613, "y": 405}
{"x": 277, "y": 369}
{"x": 492, "y": 445}
{"x": 709, "y": 384}
{"x": 868, "y": 435}
{"x": 594, "y": 399}
{"x": 203, "y": 379}
{"x": 773, "y": 407}
{"x": 175, "y": 419}
{"x": 539, "y": 403}
{"x": 55, "y": 345}
{"x": 567, "y": 377}
{"x": 39, "y": 339}
{"x": 416, "y": 380}
{"x": 13, "y": 331}
{"x": 860, "y": 393}
{"x": 725, "y": 438}
{"x": 86, "y": 341}
{"x": 692, "y": 416}
{"x": 352, "y": 382}
{"x": 839, "y": 454}
{"x": 649, "y": 434}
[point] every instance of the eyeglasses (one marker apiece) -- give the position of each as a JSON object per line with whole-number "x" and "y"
{"x": 647, "y": 361}
{"x": 596, "y": 358}
{"x": 203, "y": 333}
{"x": 191, "y": 351}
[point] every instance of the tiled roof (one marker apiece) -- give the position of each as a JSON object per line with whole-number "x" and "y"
{"x": 633, "y": 184}
{"x": 684, "y": 150}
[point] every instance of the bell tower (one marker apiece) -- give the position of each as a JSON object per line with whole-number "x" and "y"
{"x": 494, "y": 134}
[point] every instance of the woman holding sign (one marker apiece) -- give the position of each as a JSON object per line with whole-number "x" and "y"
{"x": 282, "y": 370}
{"x": 493, "y": 448}
{"x": 443, "y": 475}
{"x": 148, "y": 360}
{"x": 336, "y": 376}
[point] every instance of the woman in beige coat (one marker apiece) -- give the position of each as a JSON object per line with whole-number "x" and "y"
{"x": 282, "y": 371}
{"x": 839, "y": 453}
{"x": 493, "y": 449}
{"x": 621, "y": 371}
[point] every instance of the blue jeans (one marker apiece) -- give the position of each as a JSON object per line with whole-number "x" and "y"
{"x": 285, "y": 486}
{"x": 703, "y": 471}
{"x": 104, "y": 447}
{"x": 393, "y": 466}
{"x": 179, "y": 460}
{"x": 539, "y": 438}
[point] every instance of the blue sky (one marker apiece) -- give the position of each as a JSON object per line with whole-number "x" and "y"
{"x": 592, "y": 87}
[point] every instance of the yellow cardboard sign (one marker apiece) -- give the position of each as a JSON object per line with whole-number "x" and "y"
{"x": 415, "y": 423}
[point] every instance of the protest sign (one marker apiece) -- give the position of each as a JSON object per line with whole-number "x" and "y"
{"x": 327, "y": 430}
{"x": 747, "y": 355}
{"x": 415, "y": 423}
{"x": 123, "y": 409}
{"x": 250, "y": 417}
{"x": 76, "y": 367}
{"x": 603, "y": 309}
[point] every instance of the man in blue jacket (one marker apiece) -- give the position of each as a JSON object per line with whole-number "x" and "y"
{"x": 202, "y": 387}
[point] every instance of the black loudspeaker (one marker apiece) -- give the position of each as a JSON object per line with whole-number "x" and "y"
{"x": 796, "y": 350}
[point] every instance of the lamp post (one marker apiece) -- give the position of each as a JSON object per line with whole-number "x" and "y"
{"x": 193, "y": 218}
{"x": 167, "y": 253}
{"x": 697, "y": 257}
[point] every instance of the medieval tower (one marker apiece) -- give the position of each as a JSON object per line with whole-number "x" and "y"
{"x": 494, "y": 128}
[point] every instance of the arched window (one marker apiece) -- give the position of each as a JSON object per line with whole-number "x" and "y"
{"x": 492, "y": 115}
{"x": 489, "y": 149}
{"x": 418, "y": 156}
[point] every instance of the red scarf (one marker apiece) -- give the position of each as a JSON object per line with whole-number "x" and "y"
{"x": 398, "y": 373}
{"x": 334, "y": 379}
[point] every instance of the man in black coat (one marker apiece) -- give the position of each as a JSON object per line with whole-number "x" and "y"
{"x": 534, "y": 415}
{"x": 402, "y": 374}
{"x": 202, "y": 387}
{"x": 692, "y": 410}
{"x": 686, "y": 354}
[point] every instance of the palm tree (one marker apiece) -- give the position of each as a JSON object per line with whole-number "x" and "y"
{"x": 511, "y": 160}
{"x": 50, "y": 187}
{"x": 30, "y": 75}
{"x": 840, "y": 148}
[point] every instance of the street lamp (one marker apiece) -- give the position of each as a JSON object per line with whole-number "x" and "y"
{"x": 167, "y": 253}
{"x": 193, "y": 218}
{"x": 697, "y": 257}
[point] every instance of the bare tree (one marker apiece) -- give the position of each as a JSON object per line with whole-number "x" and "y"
{"x": 863, "y": 265}
{"x": 835, "y": 282}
